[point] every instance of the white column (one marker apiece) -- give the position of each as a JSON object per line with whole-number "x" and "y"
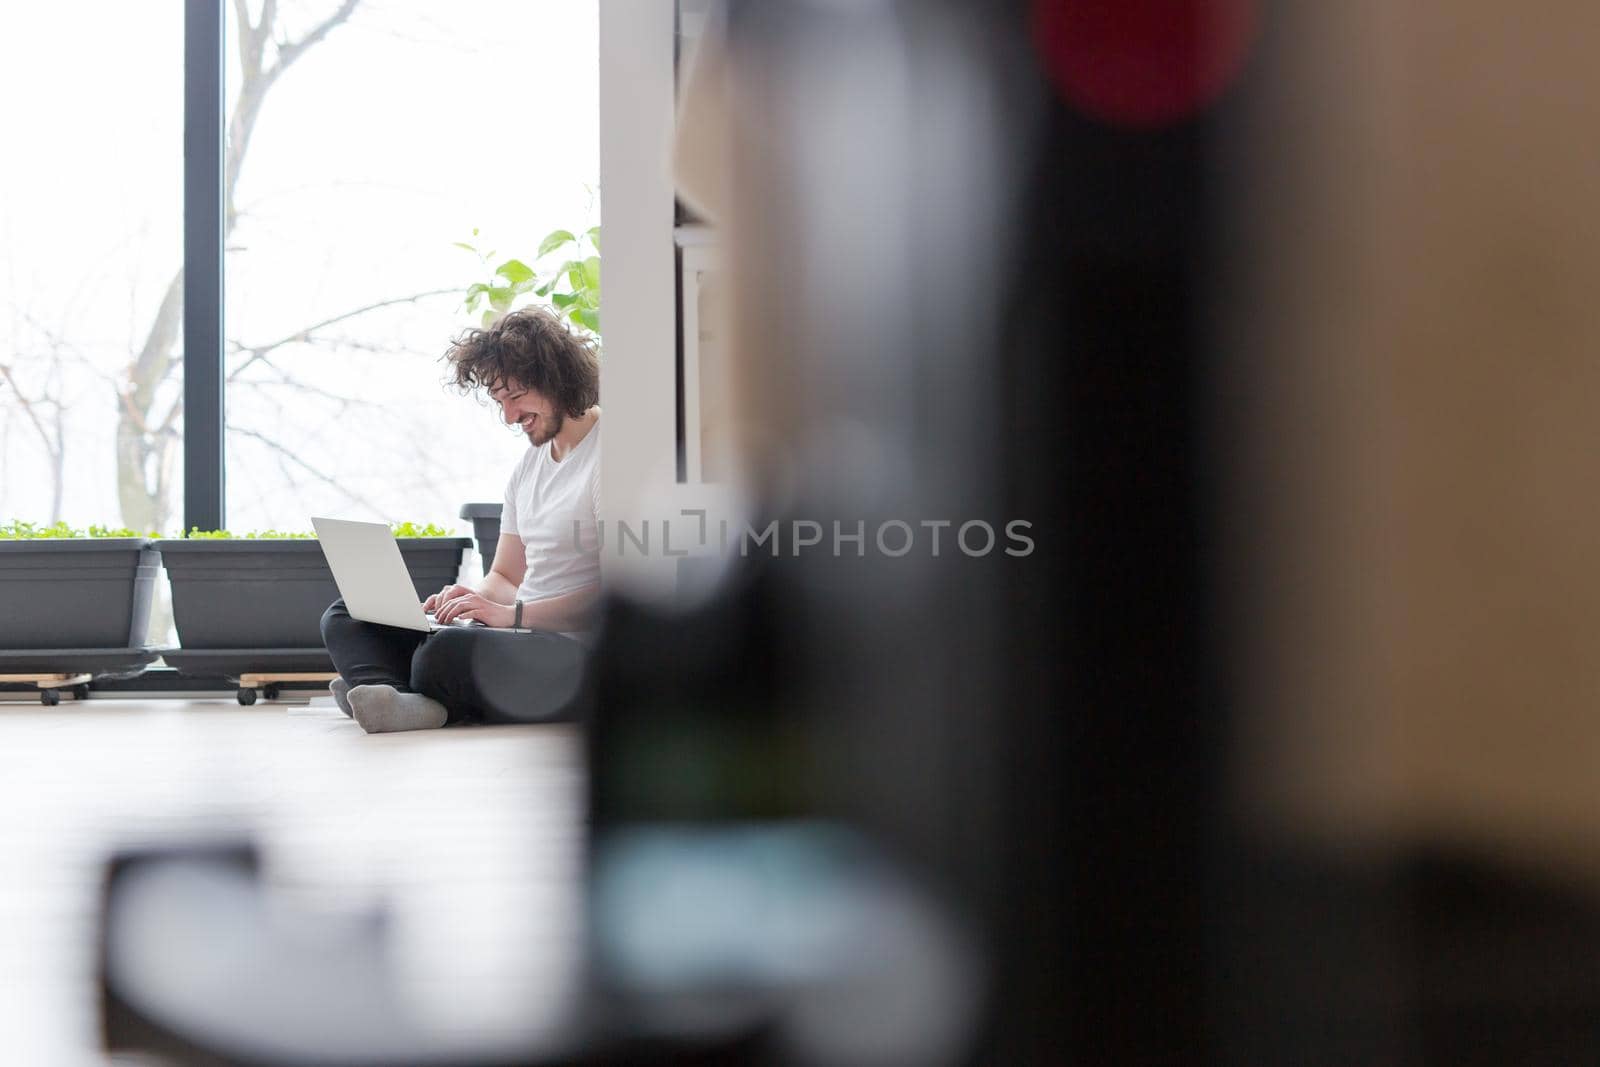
{"x": 639, "y": 310}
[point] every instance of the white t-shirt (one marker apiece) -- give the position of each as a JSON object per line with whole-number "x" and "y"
{"x": 543, "y": 500}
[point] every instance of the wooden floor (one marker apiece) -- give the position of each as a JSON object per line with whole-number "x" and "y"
{"x": 470, "y": 837}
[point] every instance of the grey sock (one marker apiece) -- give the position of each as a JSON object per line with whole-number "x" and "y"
{"x": 382, "y": 709}
{"x": 341, "y": 695}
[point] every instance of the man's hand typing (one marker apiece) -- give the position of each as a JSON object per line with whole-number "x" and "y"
{"x": 449, "y": 592}
{"x": 473, "y": 606}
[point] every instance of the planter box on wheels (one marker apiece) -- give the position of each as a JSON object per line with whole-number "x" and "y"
{"x": 81, "y": 592}
{"x": 75, "y": 606}
{"x": 255, "y": 605}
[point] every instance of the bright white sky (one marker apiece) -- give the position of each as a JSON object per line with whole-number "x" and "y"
{"x": 393, "y": 138}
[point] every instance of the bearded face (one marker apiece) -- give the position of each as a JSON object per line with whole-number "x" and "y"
{"x": 530, "y": 410}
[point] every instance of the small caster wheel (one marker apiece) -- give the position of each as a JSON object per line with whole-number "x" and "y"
{"x": 272, "y": 691}
{"x": 49, "y": 697}
{"x": 81, "y": 691}
{"x": 247, "y": 697}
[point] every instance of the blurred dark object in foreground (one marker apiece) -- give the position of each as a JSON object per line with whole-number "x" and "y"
{"x": 1253, "y": 760}
{"x": 200, "y": 966}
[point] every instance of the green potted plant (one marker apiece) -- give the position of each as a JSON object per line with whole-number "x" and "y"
{"x": 254, "y": 601}
{"x": 74, "y": 600}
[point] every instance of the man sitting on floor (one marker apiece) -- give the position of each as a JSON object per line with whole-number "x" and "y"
{"x": 546, "y": 572}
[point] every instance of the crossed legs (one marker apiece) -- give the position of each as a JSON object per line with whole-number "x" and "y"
{"x": 471, "y": 674}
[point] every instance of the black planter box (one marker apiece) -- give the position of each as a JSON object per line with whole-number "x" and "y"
{"x": 485, "y": 519}
{"x": 261, "y": 594}
{"x": 76, "y": 593}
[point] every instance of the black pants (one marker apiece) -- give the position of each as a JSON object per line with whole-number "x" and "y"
{"x": 479, "y": 674}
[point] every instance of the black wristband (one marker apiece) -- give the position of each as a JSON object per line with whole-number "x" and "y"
{"x": 516, "y": 618}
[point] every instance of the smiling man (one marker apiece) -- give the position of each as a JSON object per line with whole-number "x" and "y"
{"x": 515, "y": 653}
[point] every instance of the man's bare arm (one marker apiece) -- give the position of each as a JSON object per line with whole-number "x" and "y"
{"x": 566, "y": 613}
{"x": 506, "y": 572}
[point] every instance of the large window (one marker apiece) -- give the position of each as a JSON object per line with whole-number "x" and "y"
{"x": 91, "y": 245}
{"x": 380, "y": 147}
{"x": 367, "y": 140}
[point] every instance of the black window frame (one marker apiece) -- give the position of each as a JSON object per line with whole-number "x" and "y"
{"x": 204, "y": 166}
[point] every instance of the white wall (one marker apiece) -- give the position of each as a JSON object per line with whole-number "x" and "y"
{"x": 638, "y": 376}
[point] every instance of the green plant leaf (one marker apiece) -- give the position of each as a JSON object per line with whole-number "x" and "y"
{"x": 500, "y": 297}
{"x": 488, "y": 318}
{"x": 463, "y": 244}
{"x": 554, "y": 240}
{"x": 590, "y": 318}
{"x": 544, "y": 290}
{"x": 21, "y": 530}
{"x": 593, "y": 233}
{"x": 414, "y": 529}
{"x": 562, "y": 300}
{"x": 514, "y": 270}
{"x": 591, "y": 272}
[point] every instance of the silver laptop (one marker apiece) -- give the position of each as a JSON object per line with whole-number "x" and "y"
{"x": 371, "y": 575}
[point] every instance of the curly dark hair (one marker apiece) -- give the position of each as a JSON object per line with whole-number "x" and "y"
{"x": 532, "y": 348}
